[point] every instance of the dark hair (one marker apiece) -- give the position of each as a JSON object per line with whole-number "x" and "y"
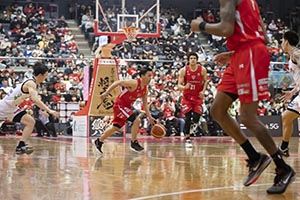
{"x": 192, "y": 54}
{"x": 39, "y": 68}
{"x": 292, "y": 37}
{"x": 144, "y": 70}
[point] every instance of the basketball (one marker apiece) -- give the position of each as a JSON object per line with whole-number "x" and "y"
{"x": 158, "y": 131}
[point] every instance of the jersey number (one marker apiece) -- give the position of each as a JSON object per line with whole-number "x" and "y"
{"x": 193, "y": 87}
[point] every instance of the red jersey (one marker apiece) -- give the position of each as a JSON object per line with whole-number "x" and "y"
{"x": 196, "y": 80}
{"x": 247, "y": 26}
{"x": 127, "y": 98}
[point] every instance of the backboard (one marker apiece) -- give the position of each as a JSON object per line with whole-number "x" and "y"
{"x": 113, "y": 16}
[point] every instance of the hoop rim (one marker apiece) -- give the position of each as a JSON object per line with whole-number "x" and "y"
{"x": 131, "y": 32}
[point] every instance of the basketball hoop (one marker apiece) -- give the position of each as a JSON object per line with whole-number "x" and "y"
{"x": 131, "y": 33}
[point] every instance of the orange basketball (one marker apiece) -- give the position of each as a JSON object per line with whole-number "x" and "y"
{"x": 158, "y": 131}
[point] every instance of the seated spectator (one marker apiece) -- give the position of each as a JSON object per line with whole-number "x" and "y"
{"x": 69, "y": 130}
{"x": 272, "y": 26}
{"x": 29, "y": 10}
{"x": 168, "y": 109}
{"x": 5, "y": 86}
{"x": 44, "y": 123}
{"x": 4, "y": 17}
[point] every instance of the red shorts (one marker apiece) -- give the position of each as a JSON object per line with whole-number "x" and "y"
{"x": 121, "y": 114}
{"x": 194, "y": 104}
{"x": 247, "y": 74}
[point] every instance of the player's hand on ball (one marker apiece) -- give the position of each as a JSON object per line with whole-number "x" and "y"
{"x": 152, "y": 121}
{"x": 195, "y": 24}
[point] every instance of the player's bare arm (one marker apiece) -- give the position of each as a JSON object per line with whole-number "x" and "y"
{"x": 181, "y": 85}
{"x": 30, "y": 86}
{"x": 264, "y": 30}
{"x": 129, "y": 84}
{"x": 146, "y": 108}
{"x": 205, "y": 82}
{"x": 287, "y": 95}
{"x": 225, "y": 27}
{"x": 223, "y": 59}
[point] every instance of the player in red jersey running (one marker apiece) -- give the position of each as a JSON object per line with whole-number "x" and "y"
{"x": 245, "y": 78}
{"x": 123, "y": 111}
{"x": 193, "y": 82}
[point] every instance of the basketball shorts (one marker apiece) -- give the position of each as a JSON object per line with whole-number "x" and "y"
{"x": 247, "y": 73}
{"x": 194, "y": 104}
{"x": 294, "y": 105}
{"x": 121, "y": 114}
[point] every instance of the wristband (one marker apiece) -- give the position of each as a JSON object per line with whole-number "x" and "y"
{"x": 202, "y": 26}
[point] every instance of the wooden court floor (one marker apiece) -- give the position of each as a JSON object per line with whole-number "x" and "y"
{"x": 71, "y": 168}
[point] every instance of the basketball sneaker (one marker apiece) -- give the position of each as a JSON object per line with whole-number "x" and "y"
{"x": 135, "y": 146}
{"x": 188, "y": 143}
{"x": 256, "y": 167}
{"x": 284, "y": 152}
{"x": 281, "y": 181}
{"x": 98, "y": 145}
{"x": 23, "y": 148}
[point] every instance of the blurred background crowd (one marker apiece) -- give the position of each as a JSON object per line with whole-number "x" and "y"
{"x": 28, "y": 35}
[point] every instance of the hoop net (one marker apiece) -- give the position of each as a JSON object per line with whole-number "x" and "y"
{"x": 131, "y": 33}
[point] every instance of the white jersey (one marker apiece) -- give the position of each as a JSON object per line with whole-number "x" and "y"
{"x": 294, "y": 68}
{"x": 13, "y": 102}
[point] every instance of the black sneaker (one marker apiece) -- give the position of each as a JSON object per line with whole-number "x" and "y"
{"x": 256, "y": 167}
{"x": 98, "y": 145}
{"x": 281, "y": 181}
{"x": 284, "y": 152}
{"x": 135, "y": 146}
{"x": 23, "y": 148}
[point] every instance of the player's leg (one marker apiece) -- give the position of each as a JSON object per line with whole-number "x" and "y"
{"x": 284, "y": 173}
{"x": 135, "y": 118}
{"x": 253, "y": 86}
{"x": 28, "y": 122}
{"x": 187, "y": 128}
{"x": 226, "y": 95}
{"x": 108, "y": 132}
{"x": 219, "y": 112}
{"x": 288, "y": 117}
{"x": 117, "y": 123}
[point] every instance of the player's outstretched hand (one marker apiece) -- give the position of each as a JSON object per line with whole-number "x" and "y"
{"x": 223, "y": 59}
{"x": 287, "y": 95}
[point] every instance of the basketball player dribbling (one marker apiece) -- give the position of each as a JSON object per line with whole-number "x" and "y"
{"x": 12, "y": 106}
{"x": 245, "y": 78}
{"x": 192, "y": 81}
{"x": 134, "y": 89}
{"x": 289, "y": 42}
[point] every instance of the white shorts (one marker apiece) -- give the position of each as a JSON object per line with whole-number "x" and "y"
{"x": 294, "y": 105}
{"x": 6, "y": 111}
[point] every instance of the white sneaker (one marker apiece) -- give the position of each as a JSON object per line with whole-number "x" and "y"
{"x": 188, "y": 143}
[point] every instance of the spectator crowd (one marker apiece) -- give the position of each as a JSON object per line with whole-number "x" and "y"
{"x": 27, "y": 35}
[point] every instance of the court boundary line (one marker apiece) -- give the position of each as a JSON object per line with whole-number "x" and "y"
{"x": 202, "y": 190}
